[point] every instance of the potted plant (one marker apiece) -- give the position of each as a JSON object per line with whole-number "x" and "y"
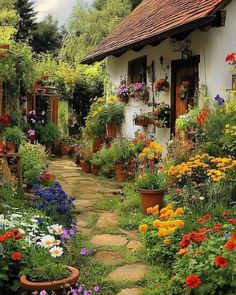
{"x": 161, "y": 85}
{"x": 13, "y": 136}
{"x": 162, "y": 115}
{"x": 141, "y": 120}
{"x": 113, "y": 115}
{"x": 139, "y": 91}
{"x": 96, "y": 164}
{"x": 184, "y": 90}
{"x": 151, "y": 185}
{"x": 123, "y": 91}
{"x": 86, "y": 156}
{"x": 48, "y": 134}
{"x": 65, "y": 146}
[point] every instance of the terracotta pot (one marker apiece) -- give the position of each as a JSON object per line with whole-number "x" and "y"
{"x": 97, "y": 143}
{"x": 4, "y": 46}
{"x": 1, "y": 148}
{"x": 142, "y": 121}
{"x": 151, "y": 198}
{"x": 64, "y": 149}
{"x": 111, "y": 130}
{"x": 86, "y": 167}
{"x": 55, "y": 286}
{"x": 11, "y": 147}
{"x": 119, "y": 172}
{"x": 95, "y": 170}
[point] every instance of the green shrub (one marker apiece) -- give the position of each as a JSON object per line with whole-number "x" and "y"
{"x": 49, "y": 133}
{"x": 14, "y": 134}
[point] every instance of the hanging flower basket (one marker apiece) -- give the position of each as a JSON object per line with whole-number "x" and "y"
{"x": 184, "y": 90}
{"x": 141, "y": 121}
{"x": 161, "y": 85}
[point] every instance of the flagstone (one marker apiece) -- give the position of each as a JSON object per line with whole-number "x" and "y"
{"x": 84, "y": 203}
{"x": 134, "y": 245}
{"x": 109, "y": 257}
{"x": 109, "y": 240}
{"x": 133, "y": 291}
{"x": 107, "y": 219}
{"x": 129, "y": 272}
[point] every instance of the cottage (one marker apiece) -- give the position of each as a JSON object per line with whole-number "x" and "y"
{"x": 182, "y": 41}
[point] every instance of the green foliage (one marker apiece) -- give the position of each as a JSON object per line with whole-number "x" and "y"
{"x": 47, "y": 38}
{"x": 49, "y": 133}
{"x": 33, "y": 158}
{"x": 187, "y": 121}
{"x": 121, "y": 149}
{"x": 151, "y": 180}
{"x": 14, "y": 134}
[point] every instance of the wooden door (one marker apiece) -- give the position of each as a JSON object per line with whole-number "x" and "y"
{"x": 183, "y": 71}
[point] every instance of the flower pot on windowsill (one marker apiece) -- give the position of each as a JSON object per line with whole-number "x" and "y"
{"x": 97, "y": 143}
{"x": 56, "y": 286}
{"x": 10, "y": 147}
{"x": 112, "y": 130}
{"x": 151, "y": 198}
{"x": 86, "y": 167}
{"x": 142, "y": 121}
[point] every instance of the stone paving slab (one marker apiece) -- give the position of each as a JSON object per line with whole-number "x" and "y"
{"x": 107, "y": 219}
{"x": 109, "y": 240}
{"x": 109, "y": 257}
{"x": 133, "y": 291}
{"x": 81, "y": 204}
{"x": 129, "y": 272}
{"x": 134, "y": 245}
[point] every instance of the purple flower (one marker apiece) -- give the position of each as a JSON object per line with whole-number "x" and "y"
{"x": 84, "y": 251}
{"x": 219, "y": 100}
{"x": 96, "y": 289}
{"x": 43, "y": 293}
{"x": 87, "y": 292}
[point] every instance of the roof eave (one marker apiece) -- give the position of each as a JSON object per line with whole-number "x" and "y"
{"x": 157, "y": 38}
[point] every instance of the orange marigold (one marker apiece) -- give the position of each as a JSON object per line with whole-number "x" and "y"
{"x": 166, "y": 242}
{"x": 182, "y": 251}
{"x": 143, "y": 228}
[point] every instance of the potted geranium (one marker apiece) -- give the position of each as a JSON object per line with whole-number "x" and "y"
{"x": 231, "y": 60}
{"x": 13, "y": 136}
{"x": 161, "y": 85}
{"x": 139, "y": 91}
{"x": 5, "y": 120}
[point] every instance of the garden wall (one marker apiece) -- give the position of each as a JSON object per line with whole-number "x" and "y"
{"x": 212, "y": 46}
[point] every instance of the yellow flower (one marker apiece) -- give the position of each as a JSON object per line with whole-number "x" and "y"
{"x": 156, "y": 223}
{"x": 182, "y": 251}
{"x": 179, "y": 223}
{"x": 179, "y": 211}
{"x": 143, "y": 228}
{"x": 162, "y": 232}
{"x": 149, "y": 210}
{"x": 166, "y": 242}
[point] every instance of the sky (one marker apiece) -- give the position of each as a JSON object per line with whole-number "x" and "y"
{"x": 59, "y": 9}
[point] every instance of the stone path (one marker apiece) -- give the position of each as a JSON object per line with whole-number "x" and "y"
{"x": 110, "y": 242}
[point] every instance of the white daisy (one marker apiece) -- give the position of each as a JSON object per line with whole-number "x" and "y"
{"x": 56, "y": 251}
{"x": 47, "y": 241}
{"x": 55, "y": 228}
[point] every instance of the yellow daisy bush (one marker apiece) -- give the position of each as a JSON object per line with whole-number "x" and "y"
{"x": 208, "y": 166}
{"x": 230, "y": 129}
{"x": 152, "y": 151}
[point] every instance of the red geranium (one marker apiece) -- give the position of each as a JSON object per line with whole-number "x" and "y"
{"x": 5, "y": 119}
{"x": 232, "y": 220}
{"x": 225, "y": 214}
{"x": 192, "y": 281}
{"x": 16, "y": 256}
{"x": 200, "y": 220}
{"x": 207, "y": 217}
{"x": 230, "y": 245}
{"x": 233, "y": 237}
{"x": 220, "y": 261}
{"x": 231, "y": 59}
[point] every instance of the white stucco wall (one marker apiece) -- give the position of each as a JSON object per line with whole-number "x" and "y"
{"x": 212, "y": 46}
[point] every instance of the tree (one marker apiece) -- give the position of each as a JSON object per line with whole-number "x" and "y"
{"x": 99, "y": 4}
{"x": 27, "y": 23}
{"x": 47, "y": 37}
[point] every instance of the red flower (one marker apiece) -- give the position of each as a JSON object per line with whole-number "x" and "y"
{"x": 178, "y": 191}
{"x": 233, "y": 237}
{"x": 202, "y": 230}
{"x": 16, "y": 256}
{"x": 220, "y": 261}
{"x": 200, "y": 220}
{"x": 222, "y": 232}
{"x": 198, "y": 238}
{"x": 216, "y": 227}
{"x": 230, "y": 245}
{"x": 15, "y": 231}
{"x": 232, "y": 220}
{"x": 225, "y": 214}
{"x": 18, "y": 236}
{"x": 192, "y": 281}
{"x": 207, "y": 217}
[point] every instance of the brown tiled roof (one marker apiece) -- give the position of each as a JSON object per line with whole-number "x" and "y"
{"x": 153, "y": 21}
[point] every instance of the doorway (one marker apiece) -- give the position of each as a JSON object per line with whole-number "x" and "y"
{"x": 183, "y": 72}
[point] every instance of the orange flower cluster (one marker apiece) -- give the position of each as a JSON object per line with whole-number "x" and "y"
{"x": 202, "y": 116}
{"x": 166, "y": 225}
{"x": 14, "y": 234}
{"x": 47, "y": 176}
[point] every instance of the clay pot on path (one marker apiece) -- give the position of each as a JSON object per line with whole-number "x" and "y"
{"x": 86, "y": 167}
{"x": 151, "y": 198}
{"x": 95, "y": 170}
{"x": 119, "y": 172}
{"x": 64, "y": 149}
{"x": 56, "y": 286}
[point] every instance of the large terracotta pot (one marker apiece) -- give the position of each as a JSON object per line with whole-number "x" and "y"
{"x": 151, "y": 198}
{"x": 86, "y": 167}
{"x": 97, "y": 143}
{"x": 64, "y": 149}
{"x": 111, "y": 130}
{"x": 119, "y": 172}
{"x": 95, "y": 170}
{"x": 11, "y": 147}
{"x": 56, "y": 286}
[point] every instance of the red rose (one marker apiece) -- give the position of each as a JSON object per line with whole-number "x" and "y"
{"x": 220, "y": 261}
{"x": 230, "y": 245}
{"x": 192, "y": 281}
{"x": 16, "y": 256}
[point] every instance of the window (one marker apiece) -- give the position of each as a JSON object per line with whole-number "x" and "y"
{"x": 137, "y": 70}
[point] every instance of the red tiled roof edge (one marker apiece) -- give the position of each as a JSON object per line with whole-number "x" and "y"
{"x": 144, "y": 26}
